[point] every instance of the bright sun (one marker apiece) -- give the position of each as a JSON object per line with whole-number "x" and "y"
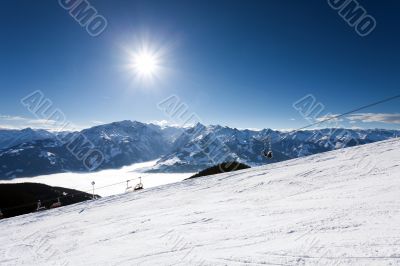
{"x": 146, "y": 61}
{"x": 145, "y": 64}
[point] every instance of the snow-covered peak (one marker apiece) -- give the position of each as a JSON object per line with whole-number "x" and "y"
{"x": 13, "y": 137}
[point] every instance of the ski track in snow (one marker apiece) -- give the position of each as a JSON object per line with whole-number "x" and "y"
{"x": 336, "y": 208}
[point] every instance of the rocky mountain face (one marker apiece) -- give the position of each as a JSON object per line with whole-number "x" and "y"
{"x": 29, "y": 152}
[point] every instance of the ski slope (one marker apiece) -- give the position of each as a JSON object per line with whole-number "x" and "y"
{"x": 336, "y": 208}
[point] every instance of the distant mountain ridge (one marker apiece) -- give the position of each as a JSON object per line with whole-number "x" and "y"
{"x": 193, "y": 150}
{"x": 12, "y": 137}
{"x": 29, "y": 152}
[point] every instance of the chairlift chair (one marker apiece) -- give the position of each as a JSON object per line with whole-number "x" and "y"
{"x": 139, "y": 186}
{"x": 40, "y": 207}
{"x": 267, "y": 153}
{"x": 56, "y": 204}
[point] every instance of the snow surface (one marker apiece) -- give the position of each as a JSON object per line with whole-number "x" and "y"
{"x": 82, "y": 181}
{"x": 336, "y": 208}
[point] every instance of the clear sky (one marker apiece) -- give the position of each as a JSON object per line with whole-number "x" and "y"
{"x": 236, "y": 63}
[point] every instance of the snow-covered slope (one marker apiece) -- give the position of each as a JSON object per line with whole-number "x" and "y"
{"x": 335, "y": 208}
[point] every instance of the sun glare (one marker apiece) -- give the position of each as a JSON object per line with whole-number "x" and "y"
{"x": 146, "y": 61}
{"x": 145, "y": 64}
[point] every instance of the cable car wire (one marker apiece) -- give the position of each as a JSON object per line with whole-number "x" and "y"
{"x": 350, "y": 112}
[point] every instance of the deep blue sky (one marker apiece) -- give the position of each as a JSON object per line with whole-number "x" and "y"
{"x": 235, "y": 63}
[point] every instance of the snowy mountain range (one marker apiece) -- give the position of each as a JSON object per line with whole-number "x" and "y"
{"x": 29, "y": 152}
{"x": 120, "y": 143}
{"x": 334, "y": 208}
{"x": 13, "y": 137}
{"x": 201, "y": 146}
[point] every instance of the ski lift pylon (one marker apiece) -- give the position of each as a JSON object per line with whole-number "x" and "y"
{"x": 128, "y": 187}
{"x": 93, "y": 196}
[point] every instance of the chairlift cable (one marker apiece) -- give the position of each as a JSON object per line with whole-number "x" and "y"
{"x": 343, "y": 114}
{"x": 350, "y": 112}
